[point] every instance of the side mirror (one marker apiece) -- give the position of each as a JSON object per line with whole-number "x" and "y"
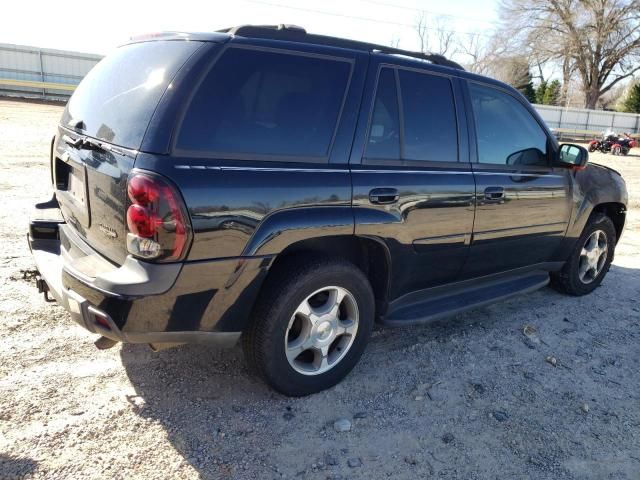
{"x": 573, "y": 156}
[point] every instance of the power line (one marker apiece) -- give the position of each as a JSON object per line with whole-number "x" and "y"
{"x": 355, "y": 17}
{"x": 422, "y": 10}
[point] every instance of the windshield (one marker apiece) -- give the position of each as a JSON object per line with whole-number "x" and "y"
{"x": 116, "y": 99}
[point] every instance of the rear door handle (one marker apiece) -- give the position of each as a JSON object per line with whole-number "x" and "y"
{"x": 383, "y": 196}
{"x": 494, "y": 193}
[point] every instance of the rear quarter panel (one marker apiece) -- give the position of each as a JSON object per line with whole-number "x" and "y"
{"x": 254, "y": 208}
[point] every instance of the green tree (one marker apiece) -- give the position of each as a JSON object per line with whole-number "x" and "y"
{"x": 525, "y": 86}
{"x": 515, "y": 72}
{"x": 528, "y": 91}
{"x": 632, "y": 102}
{"x": 541, "y": 92}
{"x": 552, "y": 93}
{"x": 548, "y": 93}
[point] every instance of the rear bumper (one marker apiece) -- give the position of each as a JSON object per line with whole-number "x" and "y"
{"x": 139, "y": 302}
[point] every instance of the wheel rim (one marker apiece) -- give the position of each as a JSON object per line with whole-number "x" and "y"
{"x": 321, "y": 330}
{"x": 593, "y": 257}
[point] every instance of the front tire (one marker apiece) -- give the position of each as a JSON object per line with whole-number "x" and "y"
{"x": 590, "y": 259}
{"x": 310, "y": 325}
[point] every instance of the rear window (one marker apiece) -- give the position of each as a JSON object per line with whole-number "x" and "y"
{"x": 116, "y": 99}
{"x": 266, "y": 103}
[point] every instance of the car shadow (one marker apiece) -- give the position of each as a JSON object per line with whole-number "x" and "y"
{"x": 201, "y": 396}
{"x": 217, "y": 413}
{"x": 16, "y": 467}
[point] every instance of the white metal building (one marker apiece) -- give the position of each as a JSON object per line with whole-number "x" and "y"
{"x": 42, "y": 72}
{"x": 582, "y": 119}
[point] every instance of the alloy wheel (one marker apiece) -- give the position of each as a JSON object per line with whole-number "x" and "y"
{"x": 321, "y": 330}
{"x": 593, "y": 256}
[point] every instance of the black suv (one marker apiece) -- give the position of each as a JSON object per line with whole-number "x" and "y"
{"x": 290, "y": 189}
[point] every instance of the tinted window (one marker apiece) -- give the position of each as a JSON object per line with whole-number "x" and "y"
{"x": 507, "y": 133}
{"x": 430, "y": 129}
{"x": 116, "y": 99}
{"x": 384, "y": 131}
{"x": 266, "y": 103}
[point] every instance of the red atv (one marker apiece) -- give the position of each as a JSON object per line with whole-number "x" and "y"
{"x": 614, "y": 144}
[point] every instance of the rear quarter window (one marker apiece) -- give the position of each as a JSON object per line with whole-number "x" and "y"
{"x": 384, "y": 130}
{"x": 117, "y": 98}
{"x": 266, "y": 103}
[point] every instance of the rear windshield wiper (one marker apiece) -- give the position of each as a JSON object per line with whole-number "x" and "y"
{"x": 88, "y": 143}
{"x": 82, "y": 143}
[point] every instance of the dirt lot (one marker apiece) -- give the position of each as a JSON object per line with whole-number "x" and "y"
{"x": 470, "y": 397}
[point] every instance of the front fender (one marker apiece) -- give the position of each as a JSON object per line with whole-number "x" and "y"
{"x": 596, "y": 185}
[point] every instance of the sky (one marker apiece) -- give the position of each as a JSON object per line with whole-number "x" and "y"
{"x": 98, "y": 27}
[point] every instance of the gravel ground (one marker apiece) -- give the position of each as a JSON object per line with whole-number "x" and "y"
{"x": 475, "y": 396}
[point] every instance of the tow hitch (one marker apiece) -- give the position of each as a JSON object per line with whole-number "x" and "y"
{"x": 43, "y": 288}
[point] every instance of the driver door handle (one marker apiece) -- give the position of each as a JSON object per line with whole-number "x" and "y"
{"x": 383, "y": 196}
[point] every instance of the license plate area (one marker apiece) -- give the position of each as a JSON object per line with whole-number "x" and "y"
{"x": 71, "y": 190}
{"x": 76, "y": 186}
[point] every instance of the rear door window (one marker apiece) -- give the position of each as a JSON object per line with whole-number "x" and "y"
{"x": 266, "y": 103}
{"x": 116, "y": 99}
{"x": 430, "y": 128}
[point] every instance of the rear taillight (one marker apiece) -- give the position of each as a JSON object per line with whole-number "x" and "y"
{"x": 157, "y": 221}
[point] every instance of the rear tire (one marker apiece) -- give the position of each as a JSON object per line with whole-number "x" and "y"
{"x": 590, "y": 259}
{"x": 310, "y": 325}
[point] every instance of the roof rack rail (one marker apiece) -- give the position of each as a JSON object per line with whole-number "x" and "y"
{"x": 260, "y": 30}
{"x": 435, "y": 58}
{"x": 294, "y": 33}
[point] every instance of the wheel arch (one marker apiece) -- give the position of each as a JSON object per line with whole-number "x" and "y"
{"x": 616, "y": 211}
{"x": 369, "y": 254}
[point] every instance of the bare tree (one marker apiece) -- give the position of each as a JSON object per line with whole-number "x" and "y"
{"x": 538, "y": 61}
{"x": 483, "y": 53}
{"x": 613, "y": 98}
{"x": 423, "y": 32}
{"x": 568, "y": 68}
{"x": 599, "y": 39}
{"x": 473, "y": 47}
{"x": 435, "y": 35}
